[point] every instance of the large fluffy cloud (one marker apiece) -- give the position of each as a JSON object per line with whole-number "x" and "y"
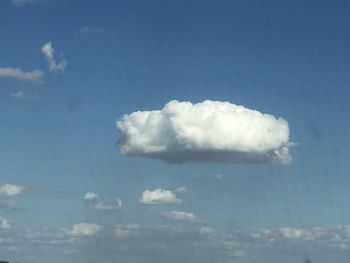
{"x": 48, "y": 51}
{"x": 159, "y": 196}
{"x": 16, "y": 73}
{"x": 210, "y": 131}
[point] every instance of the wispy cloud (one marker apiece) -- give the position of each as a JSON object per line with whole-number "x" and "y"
{"x": 180, "y": 189}
{"x": 181, "y": 216}
{"x": 35, "y": 76}
{"x": 85, "y": 30}
{"x": 23, "y": 2}
{"x": 21, "y": 95}
{"x": 49, "y": 53}
{"x": 210, "y": 131}
{"x": 159, "y": 196}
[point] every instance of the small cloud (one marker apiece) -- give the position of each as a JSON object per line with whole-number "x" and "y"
{"x": 85, "y": 230}
{"x": 11, "y": 190}
{"x": 34, "y": 76}
{"x": 91, "y": 196}
{"x": 210, "y": 131}
{"x": 180, "y": 216}
{"x": 181, "y": 189}
{"x": 21, "y": 95}
{"x": 159, "y": 196}
{"x": 48, "y": 51}
{"x": 103, "y": 206}
{"x": 8, "y": 194}
{"x": 119, "y": 203}
{"x": 90, "y": 30}
{"x": 4, "y": 224}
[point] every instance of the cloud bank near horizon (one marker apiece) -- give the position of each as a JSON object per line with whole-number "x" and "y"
{"x": 90, "y": 242}
{"x": 209, "y": 131}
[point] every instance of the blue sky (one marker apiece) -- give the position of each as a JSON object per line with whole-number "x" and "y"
{"x": 59, "y": 135}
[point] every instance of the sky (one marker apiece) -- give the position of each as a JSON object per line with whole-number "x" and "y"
{"x": 174, "y": 131}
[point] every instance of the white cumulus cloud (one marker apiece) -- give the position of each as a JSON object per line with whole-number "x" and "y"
{"x": 85, "y": 230}
{"x": 159, "y": 196}
{"x": 180, "y": 216}
{"x": 210, "y": 131}
{"x": 48, "y": 51}
{"x": 16, "y": 73}
{"x": 10, "y": 190}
